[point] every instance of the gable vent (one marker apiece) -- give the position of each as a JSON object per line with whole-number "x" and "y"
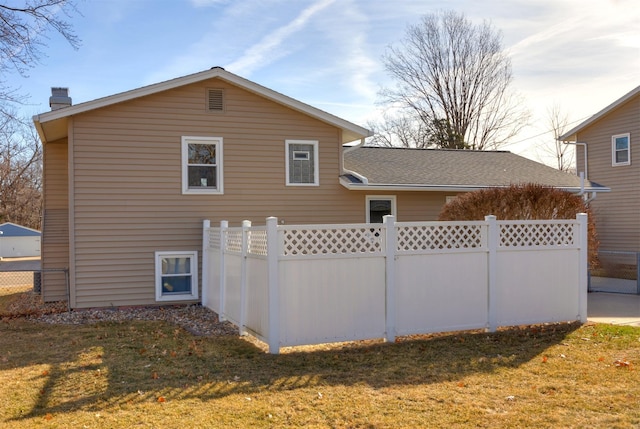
{"x": 215, "y": 100}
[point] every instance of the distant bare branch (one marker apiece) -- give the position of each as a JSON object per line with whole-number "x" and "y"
{"x": 24, "y": 28}
{"x": 449, "y": 71}
{"x": 558, "y": 122}
{"x": 20, "y": 172}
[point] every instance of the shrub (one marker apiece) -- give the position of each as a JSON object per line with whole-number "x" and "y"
{"x": 522, "y": 202}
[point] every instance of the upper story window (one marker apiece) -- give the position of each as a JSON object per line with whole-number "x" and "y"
{"x": 302, "y": 162}
{"x": 621, "y": 149}
{"x": 202, "y": 165}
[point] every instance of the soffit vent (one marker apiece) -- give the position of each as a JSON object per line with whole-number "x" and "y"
{"x": 215, "y": 100}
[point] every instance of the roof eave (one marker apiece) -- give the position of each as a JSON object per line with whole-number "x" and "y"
{"x": 350, "y": 131}
{"x": 448, "y": 188}
{"x": 572, "y": 135}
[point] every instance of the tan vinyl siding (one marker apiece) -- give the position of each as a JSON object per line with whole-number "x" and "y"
{"x": 127, "y": 193}
{"x": 618, "y": 212}
{"x": 55, "y": 226}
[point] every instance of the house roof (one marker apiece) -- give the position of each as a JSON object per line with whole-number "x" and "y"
{"x": 53, "y": 125}
{"x": 9, "y": 229}
{"x": 377, "y": 168}
{"x": 572, "y": 135}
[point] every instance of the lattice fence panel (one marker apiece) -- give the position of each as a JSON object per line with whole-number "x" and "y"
{"x": 214, "y": 238}
{"x": 233, "y": 242}
{"x": 538, "y": 234}
{"x": 258, "y": 243}
{"x": 438, "y": 237}
{"x": 320, "y": 241}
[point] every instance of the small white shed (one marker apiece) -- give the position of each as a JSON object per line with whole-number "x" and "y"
{"x": 18, "y": 241}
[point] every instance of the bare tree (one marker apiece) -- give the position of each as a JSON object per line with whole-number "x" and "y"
{"x": 399, "y": 131}
{"x": 23, "y": 31}
{"x": 405, "y": 130}
{"x": 449, "y": 71}
{"x": 558, "y": 122}
{"x": 20, "y": 173}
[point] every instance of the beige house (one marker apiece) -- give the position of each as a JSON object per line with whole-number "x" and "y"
{"x": 608, "y": 151}
{"x": 129, "y": 178}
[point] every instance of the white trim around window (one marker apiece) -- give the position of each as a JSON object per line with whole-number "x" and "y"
{"x": 301, "y": 163}
{"x": 176, "y": 275}
{"x": 384, "y": 200}
{"x": 621, "y": 149}
{"x": 202, "y": 165}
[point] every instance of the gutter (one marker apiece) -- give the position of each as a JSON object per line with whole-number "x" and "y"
{"x": 450, "y": 188}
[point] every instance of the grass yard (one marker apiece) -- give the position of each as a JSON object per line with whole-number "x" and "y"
{"x": 152, "y": 374}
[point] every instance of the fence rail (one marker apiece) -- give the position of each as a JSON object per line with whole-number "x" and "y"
{"x": 308, "y": 284}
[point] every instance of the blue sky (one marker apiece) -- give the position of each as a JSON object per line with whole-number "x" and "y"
{"x": 582, "y": 54}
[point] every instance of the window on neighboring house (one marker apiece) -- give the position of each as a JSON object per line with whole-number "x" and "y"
{"x": 621, "y": 149}
{"x": 176, "y": 275}
{"x": 379, "y": 206}
{"x": 202, "y": 165}
{"x": 302, "y": 162}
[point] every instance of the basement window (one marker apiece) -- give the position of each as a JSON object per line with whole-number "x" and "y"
{"x": 176, "y": 275}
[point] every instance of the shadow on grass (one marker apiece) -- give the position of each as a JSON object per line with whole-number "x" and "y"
{"x": 98, "y": 367}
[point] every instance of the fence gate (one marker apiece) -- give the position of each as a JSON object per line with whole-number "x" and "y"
{"x": 19, "y": 276}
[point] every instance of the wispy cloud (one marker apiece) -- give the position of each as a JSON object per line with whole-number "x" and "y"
{"x": 270, "y": 48}
{"x": 205, "y": 3}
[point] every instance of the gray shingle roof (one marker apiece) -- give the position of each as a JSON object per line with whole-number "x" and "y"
{"x": 449, "y": 169}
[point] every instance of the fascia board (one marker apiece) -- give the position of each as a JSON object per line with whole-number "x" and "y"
{"x": 571, "y": 135}
{"x": 353, "y": 129}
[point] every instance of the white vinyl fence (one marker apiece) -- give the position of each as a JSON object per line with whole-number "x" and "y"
{"x": 308, "y": 284}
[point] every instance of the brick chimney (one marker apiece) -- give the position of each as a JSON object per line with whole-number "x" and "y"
{"x": 59, "y": 98}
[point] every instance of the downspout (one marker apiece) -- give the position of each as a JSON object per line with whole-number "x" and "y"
{"x": 583, "y": 174}
{"x": 585, "y": 155}
{"x": 344, "y": 170}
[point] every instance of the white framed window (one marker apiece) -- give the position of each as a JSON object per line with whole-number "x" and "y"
{"x": 176, "y": 275}
{"x": 301, "y": 160}
{"x": 378, "y": 206}
{"x": 201, "y": 165}
{"x": 621, "y": 149}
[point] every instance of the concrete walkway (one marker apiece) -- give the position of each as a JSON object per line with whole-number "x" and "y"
{"x": 614, "y": 308}
{"x": 608, "y": 284}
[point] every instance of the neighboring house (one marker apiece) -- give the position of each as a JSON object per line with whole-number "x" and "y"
{"x": 18, "y": 241}
{"x": 129, "y": 178}
{"x": 608, "y": 151}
